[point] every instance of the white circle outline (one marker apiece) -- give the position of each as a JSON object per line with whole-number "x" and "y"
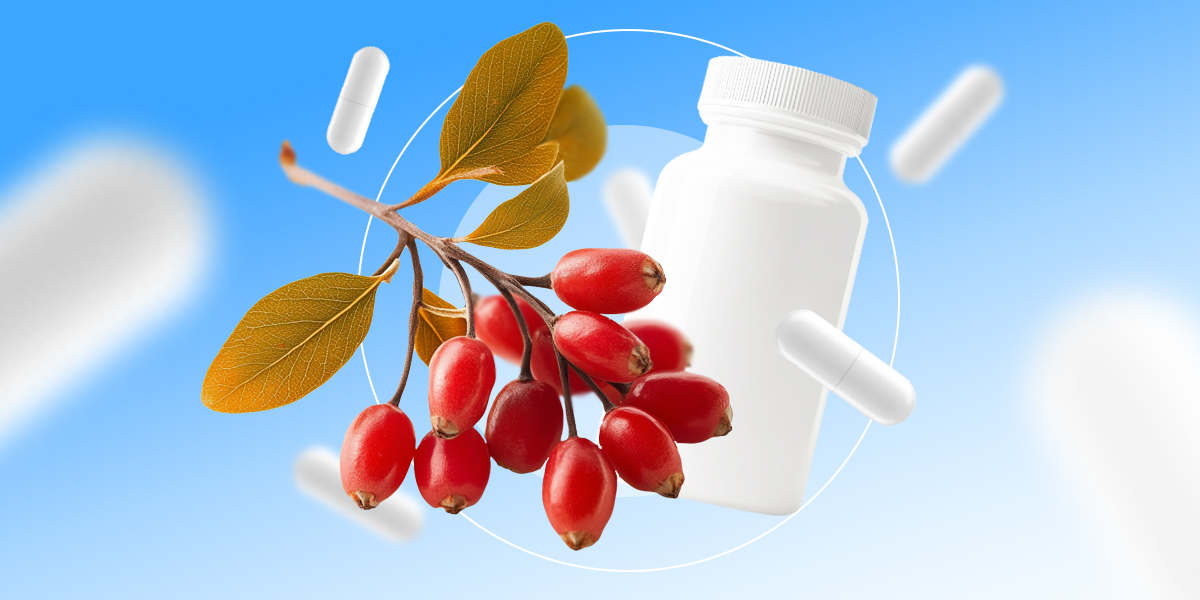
{"x": 895, "y": 341}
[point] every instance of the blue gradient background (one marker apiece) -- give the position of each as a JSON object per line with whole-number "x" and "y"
{"x": 1082, "y": 180}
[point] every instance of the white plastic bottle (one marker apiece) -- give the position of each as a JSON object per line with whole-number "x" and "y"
{"x": 755, "y": 224}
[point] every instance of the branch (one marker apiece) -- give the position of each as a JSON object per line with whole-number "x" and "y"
{"x": 418, "y": 293}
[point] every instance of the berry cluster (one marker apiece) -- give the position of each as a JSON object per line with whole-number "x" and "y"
{"x": 637, "y": 371}
{"x": 501, "y": 129}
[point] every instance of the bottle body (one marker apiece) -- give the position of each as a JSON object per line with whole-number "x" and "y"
{"x": 755, "y": 224}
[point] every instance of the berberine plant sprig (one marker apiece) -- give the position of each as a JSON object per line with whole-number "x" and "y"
{"x": 512, "y": 124}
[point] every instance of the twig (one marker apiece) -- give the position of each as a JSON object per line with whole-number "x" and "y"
{"x": 418, "y": 292}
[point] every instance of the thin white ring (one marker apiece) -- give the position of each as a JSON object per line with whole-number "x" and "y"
{"x": 895, "y": 342}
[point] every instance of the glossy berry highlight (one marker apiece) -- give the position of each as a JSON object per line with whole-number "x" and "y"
{"x": 643, "y": 451}
{"x": 607, "y": 280}
{"x": 523, "y": 425}
{"x": 694, "y": 407}
{"x": 497, "y": 327}
{"x": 579, "y": 491}
{"x": 376, "y": 452}
{"x": 669, "y": 349}
{"x": 601, "y": 347}
{"x": 461, "y": 375}
{"x": 452, "y": 473}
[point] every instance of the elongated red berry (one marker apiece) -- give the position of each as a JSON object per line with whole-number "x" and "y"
{"x": 601, "y": 347}
{"x": 523, "y": 425}
{"x": 376, "y": 452}
{"x": 579, "y": 491}
{"x": 692, "y": 406}
{"x": 643, "y": 451}
{"x": 461, "y": 375}
{"x": 669, "y": 350}
{"x": 607, "y": 280}
{"x": 452, "y": 474}
{"x": 497, "y": 327}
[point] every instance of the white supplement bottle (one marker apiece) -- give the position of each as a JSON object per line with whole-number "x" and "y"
{"x": 755, "y": 224}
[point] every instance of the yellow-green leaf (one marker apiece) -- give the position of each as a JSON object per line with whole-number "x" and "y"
{"x": 434, "y": 329}
{"x": 494, "y": 131}
{"x": 578, "y": 127}
{"x": 531, "y": 219}
{"x": 291, "y": 342}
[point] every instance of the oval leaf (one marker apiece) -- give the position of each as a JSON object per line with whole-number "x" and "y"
{"x": 529, "y": 220}
{"x": 579, "y": 129}
{"x": 494, "y": 131}
{"x": 291, "y": 342}
{"x": 434, "y": 329}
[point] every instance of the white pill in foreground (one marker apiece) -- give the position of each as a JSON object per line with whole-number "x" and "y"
{"x": 97, "y": 247}
{"x": 356, "y": 104}
{"x": 846, "y": 368}
{"x": 947, "y": 124}
{"x": 1116, "y": 384}
{"x": 627, "y": 194}
{"x": 399, "y": 518}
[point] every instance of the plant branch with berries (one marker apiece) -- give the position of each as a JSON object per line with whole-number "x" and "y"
{"x": 512, "y": 124}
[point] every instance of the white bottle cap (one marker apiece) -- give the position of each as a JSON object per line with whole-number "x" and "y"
{"x": 791, "y": 97}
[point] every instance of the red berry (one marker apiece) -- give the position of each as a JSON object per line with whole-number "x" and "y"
{"x": 524, "y": 424}
{"x": 692, "y": 406}
{"x": 497, "y": 327}
{"x": 376, "y": 452}
{"x": 600, "y": 346}
{"x": 461, "y": 375}
{"x": 607, "y": 280}
{"x": 451, "y": 474}
{"x": 669, "y": 350}
{"x": 579, "y": 491}
{"x": 643, "y": 451}
{"x": 544, "y": 366}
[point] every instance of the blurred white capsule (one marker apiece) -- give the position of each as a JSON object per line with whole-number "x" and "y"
{"x": 398, "y": 519}
{"x": 627, "y": 194}
{"x": 1117, "y": 388}
{"x": 96, "y": 247}
{"x": 356, "y": 103}
{"x": 947, "y": 124}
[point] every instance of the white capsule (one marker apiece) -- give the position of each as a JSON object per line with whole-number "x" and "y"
{"x": 399, "y": 518}
{"x": 943, "y": 128}
{"x": 627, "y": 194}
{"x": 356, "y": 104}
{"x": 96, "y": 248}
{"x": 846, "y": 368}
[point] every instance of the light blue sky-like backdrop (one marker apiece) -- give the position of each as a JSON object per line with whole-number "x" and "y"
{"x": 1081, "y": 181}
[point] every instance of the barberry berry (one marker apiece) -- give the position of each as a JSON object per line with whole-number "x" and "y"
{"x": 607, "y": 280}
{"x": 694, "y": 407}
{"x": 600, "y": 346}
{"x": 461, "y": 375}
{"x": 497, "y": 327}
{"x": 376, "y": 452}
{"x": 579, "y": 491}
{"x": 669, "y": 350}
{"x": 452, "y": 473}
{"x": 643, "y": 451}
{"x": 523, "y": 425}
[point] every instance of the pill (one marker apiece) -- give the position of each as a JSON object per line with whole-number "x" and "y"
{"x": 356, "y": 103}
{"x": 627, "y": 194}
{"x": 947, "y": 124}
{"x": 398, "y": 519}
{"x": 845, "y": 367}
{"x": 1115, "y": 385}
{"x": 98, "y": 246}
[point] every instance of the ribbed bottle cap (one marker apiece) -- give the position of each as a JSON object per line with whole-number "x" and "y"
{"x": 751, "y": 83}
